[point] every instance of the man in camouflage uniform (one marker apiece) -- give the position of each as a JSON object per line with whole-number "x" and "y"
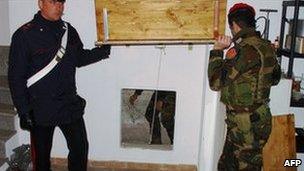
{"x": 164, "y": 104}
{"x": 244, "y": 78}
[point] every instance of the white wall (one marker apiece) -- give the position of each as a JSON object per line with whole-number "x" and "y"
{"x": 181, "y": 70}
{"x": 199, "y": 130}
{"x": 137, "y": 67}
{"x": 4, "y": 23}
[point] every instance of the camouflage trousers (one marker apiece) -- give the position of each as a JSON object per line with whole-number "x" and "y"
{"x": 247, "y": 133}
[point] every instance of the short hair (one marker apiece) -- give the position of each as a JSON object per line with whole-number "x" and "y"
{"x": 63, "y": 1}
{"x": 243, "y": 15}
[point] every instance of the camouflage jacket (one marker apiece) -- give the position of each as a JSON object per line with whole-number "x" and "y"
{"x": 246, "y": 79}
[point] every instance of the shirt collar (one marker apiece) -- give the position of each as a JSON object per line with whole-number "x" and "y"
{"x": 39, "y": 18}
{"x": 245, "y": 33}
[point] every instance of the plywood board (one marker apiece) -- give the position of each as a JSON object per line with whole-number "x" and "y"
{"x": 153, "y": 21}
{"x": 281, "y": 144}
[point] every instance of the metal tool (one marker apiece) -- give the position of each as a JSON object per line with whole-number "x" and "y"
{"x": 265, "y": 33}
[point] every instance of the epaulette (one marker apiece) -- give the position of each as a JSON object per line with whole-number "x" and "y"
{"x": 27, "y": 26}
{"x": 239, "y": 40}
{"x": 254, "y": 42}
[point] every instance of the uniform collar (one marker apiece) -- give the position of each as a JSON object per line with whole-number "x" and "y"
{"x": 53, "y": 24}
{"x": 245, "y": 33}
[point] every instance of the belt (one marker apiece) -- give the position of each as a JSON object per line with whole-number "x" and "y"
{"x": 242, "y": 109}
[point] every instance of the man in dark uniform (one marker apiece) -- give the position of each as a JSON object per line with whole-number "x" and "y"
{"x": 244, "y": 78}
{"x": 164, "y": 104}
{"x": 50, "y": 100}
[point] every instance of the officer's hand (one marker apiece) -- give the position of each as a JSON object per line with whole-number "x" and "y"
{"x": 222, "y": 42}
{"x": 26, "y": 121}
{"x": 104, "y": 50}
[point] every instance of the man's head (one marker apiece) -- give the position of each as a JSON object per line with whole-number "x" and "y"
{"x": 51, "y": 9}
{"x": 241, "y": 16}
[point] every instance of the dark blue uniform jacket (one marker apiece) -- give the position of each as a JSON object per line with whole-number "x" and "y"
{"x": 53, "y": 99}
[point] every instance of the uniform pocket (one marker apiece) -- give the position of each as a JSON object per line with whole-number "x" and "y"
{"x": 261, "y": 124}
{"x": 226, "y": 95}
{"x": 243, "y": 94}
{"x": 78, "y": 104}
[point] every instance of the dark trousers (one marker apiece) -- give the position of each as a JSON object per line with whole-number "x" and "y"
{"x": 156, "y": 129}
{"x": 76, "y": 138}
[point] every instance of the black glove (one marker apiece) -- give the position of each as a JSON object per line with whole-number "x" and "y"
{"x": 104, "y": 51}
{"x": 107, "y": 49}
{"x": 26, "y": 121}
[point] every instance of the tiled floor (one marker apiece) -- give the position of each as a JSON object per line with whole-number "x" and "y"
{"x": 60, "y": 164}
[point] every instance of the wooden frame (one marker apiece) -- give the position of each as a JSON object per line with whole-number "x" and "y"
{"x": 281, "y": 144}
{"x": 159, "y": 21}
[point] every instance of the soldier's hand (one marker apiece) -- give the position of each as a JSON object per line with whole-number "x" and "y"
{"x": 26, "y": 121}
{"x": 222, "y": 42}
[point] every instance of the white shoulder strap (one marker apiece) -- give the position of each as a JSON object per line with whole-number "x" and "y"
{"x": 60, "y": 53}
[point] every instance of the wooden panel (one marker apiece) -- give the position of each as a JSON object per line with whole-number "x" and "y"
{"x": 151, "y": 21}
{"x": 127, "y": 166}
{"x": 281, "y": 144}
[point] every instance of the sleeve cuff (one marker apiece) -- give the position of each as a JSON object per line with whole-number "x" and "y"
{"x": 216, "y": 53}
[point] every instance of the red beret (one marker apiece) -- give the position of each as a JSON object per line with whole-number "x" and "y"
{"x": 240, "y": 6}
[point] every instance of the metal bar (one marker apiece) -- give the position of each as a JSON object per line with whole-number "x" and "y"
{"x": 267, "y": 27}
{"x": 282, "y": 32}
{"x": 293, "y": 38}
{"x": 105, "y": 25}
{"x": 292, "y": 3}
{"x": 267, "y": 21}
{"x": 216, "y": 19}
{"x": 268, "y": 10}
